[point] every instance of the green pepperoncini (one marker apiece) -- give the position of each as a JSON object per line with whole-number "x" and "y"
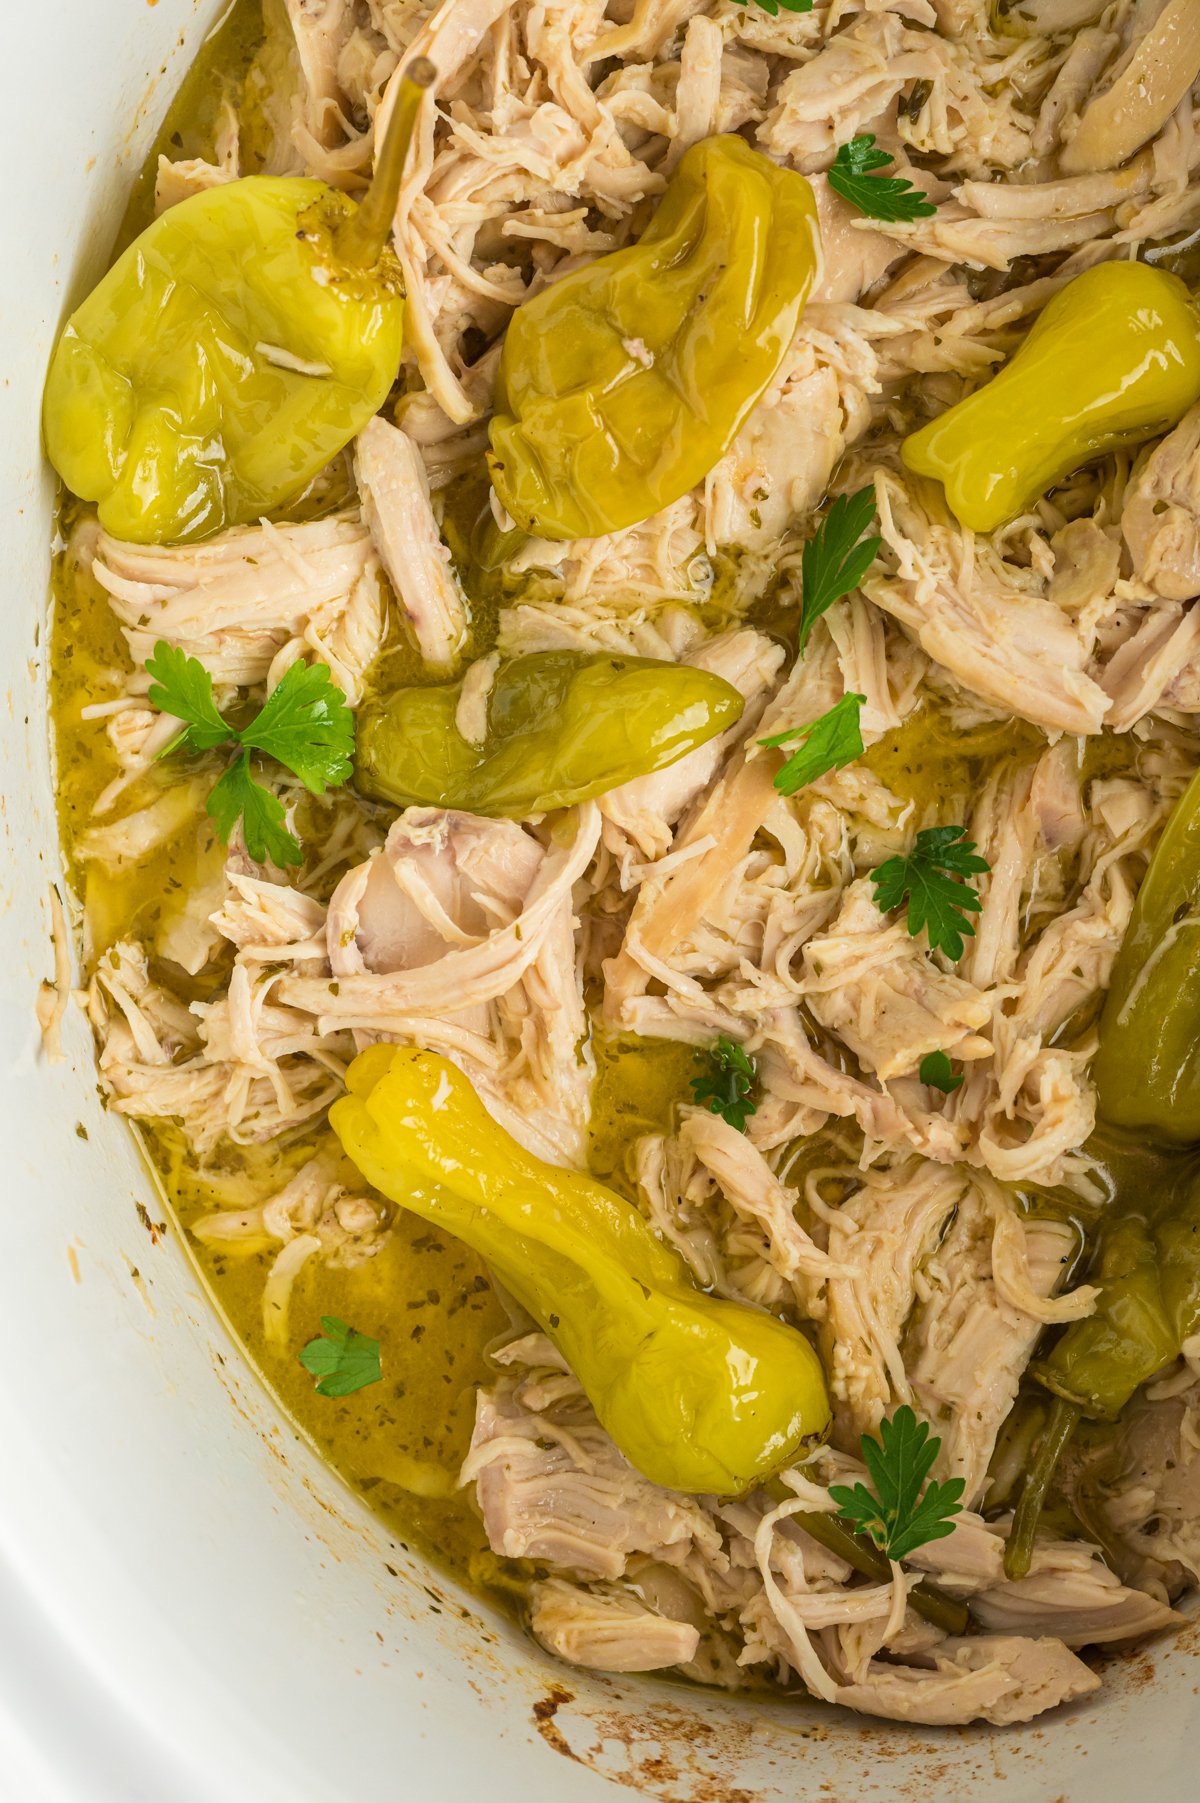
{"x": 560, "y": 728}
{"x": 235, "y": 348}
{"x": 622, "y": 384}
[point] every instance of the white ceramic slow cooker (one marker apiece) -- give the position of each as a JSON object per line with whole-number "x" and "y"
{"x": 192, "y": 1607}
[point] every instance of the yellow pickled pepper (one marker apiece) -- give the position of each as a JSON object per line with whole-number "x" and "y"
{"x": 235, "y": 348}
{"x": 1112, "y": 360}
{"x": 622, "y": 384}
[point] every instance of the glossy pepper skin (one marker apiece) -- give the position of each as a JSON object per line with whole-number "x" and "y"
{"x": 1112, "y": 361}
{"x": 168, "y": 401}
{"x": 621, "y": 385}
{"x": 1147, "y": 1068}
{"x": 1147, "y": 1267}
{"x": 700, "y": 1394}
{"x": 236, "y": 347}
{"x": 561, "y": 728}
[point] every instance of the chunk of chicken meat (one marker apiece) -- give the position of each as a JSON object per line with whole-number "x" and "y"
{"x": 238, "y": 601}
{"x": 551, "y": 1486}
{"x": 399, "y": 514}
{"x": 871, "y": 983}
{"x": 985, "y": 1303}
{"x": 1161, "y": 516}
{"x": 778, "y": 467}
{"x": 609, "y": 1630}
{"x": 988, "y": 1678}
{"x": 1069, "y": 1591}
{"x": 980, "y": 620}
{"x": 1144, "y": 1485}
{"x": 647, "y": 808}
{"x": 460, "y": 936}
{"x": 884, "y": 1233}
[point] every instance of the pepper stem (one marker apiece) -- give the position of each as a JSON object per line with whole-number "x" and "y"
{"x": 862, "y": 1557}
{"x": 362, "y": 239}
{"x": 1061, "y": 1423}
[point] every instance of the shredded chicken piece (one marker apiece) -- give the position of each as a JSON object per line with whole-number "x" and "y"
{"x": 976, "y": 1329}
{"x": 607, "y": 1629}
{"x": 238, "y": 601}
{"x": 885, "y": 1233}
{"x": 981, "y": 619}
{"x": 478, "y": 911}
{"x": 552, "y": 1486}
{"x": 396, "y": 508}
{"x": 990, "y": 1678}
{"x": 314, "y": 1215}
{"x": 1161, "y": 517}
{"x": 1039, "y": 686}
{"x": 646, "y": 810}
{"x": 869, "y": 982}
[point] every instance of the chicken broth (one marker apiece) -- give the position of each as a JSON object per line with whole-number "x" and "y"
{"x": 652, "y": 1036}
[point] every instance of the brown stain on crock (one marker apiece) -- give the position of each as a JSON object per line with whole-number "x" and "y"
{"x": 544, "y": 1711}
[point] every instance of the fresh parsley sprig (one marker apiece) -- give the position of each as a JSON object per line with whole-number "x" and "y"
{"x": 830, "y": 742}
{"x": 896, "y": 1516}
{"x": 727, "y": 1086}
{"x": 789, "y": 6}
{"x": 852, "y": 174}
{"x": 836, "y": 558}
{"x": 936, "y": 1070}
{"x": 304, "y": 724}
{"x": 342, "y": 1359}
{"x": 932, "y": 879}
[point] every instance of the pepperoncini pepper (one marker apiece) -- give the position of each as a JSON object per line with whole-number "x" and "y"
{"x": 700, "y": 1394}
{"x": 1147, "y": 1068}
{"x": 1112, "y": 361}
{"x": 621, "y": 385}
{"x": 1146, "y": 1266}
{"x": 235, "y": 348}
{"x": 561, "y": 727}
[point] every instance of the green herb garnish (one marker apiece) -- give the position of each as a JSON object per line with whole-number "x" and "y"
{"x": 830, "y": 742}
{"x": 789, "y": 6}
{"x": 936, "y": 1070}
{"x": 342, "y": 1359}
{"x": 304, "y": 724}
{"x": 726, "y": 1086}
{"x": 879, "y": 196}
{"x": 931, "y": 878}
{"x": 834, "y": 561}
{"x": 897, "y": 1517}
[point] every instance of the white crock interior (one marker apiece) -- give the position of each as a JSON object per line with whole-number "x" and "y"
{"x": 193, "y": 1609}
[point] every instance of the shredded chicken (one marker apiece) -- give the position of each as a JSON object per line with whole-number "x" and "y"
{"x": 1038, "y": 686}
{"x": 396, "y": 508}
{"x": 240, "y": 602}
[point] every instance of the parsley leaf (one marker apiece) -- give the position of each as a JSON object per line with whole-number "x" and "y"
{"x": 727, "y": 1084}
{"x": 879, "y": 196}
{"x": 343, "y": 1359}
{"x": 789, "y": 6}
{"x": 830, "y": 742}
{"x": 306, "y": 725}
{"x": 237, "y": 795}
{"x": 834, "y": 562}
{"x": 897, "y": 1517}
{"x": 183, "y": 687}
{"x": 935, "y": 1069}
{"x": 931, "y": 878}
